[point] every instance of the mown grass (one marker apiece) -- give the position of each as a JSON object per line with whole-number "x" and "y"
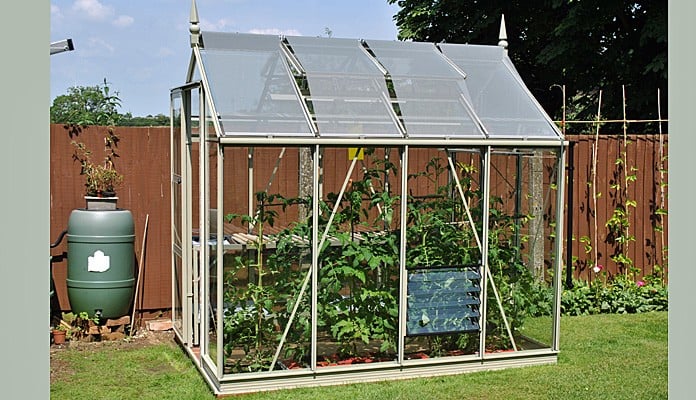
{"x": 159, "y": 371}
{"x": 602, "y": 357}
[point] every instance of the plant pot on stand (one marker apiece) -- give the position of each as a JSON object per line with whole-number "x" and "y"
{"x": 101, "y": 203}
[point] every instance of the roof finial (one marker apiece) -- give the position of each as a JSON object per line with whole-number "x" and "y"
{"x": 502, "y": 38}
{"x": 194, "y": 28}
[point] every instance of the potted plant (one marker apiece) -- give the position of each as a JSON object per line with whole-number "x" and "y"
{"x": 101, "y": 179}
{"x": 59, "y": 334}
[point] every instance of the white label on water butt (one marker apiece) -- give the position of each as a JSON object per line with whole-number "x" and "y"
{"x": 98, "y": 262}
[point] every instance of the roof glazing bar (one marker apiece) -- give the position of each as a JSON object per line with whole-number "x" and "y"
{"x": 387, "y": 78}
{"x": 365, "y": 47}
{"x": 290, "y": 56}
{"x": 465, "y": 142}
{"x": 450, "y": 62}
{"x": 214, "y": 115}
{"x": 392, "y": 113}
{"x": 474, "y": 116}
{"x": 293, "y": 62}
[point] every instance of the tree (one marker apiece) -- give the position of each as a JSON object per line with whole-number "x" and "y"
{"x": 97, "y": 105}
{"x": 587, "y": 45}
{"x": 87, "y": 105}
{"x": 150, "y": 120}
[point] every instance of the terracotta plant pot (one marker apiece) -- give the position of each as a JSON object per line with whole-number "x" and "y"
{"x": 58, "y": 336}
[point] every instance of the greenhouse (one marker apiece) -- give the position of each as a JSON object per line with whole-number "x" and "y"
{"x": 349, "y": 210}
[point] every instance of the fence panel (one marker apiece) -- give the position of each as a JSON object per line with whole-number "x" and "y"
{"x": 144, "y": 161}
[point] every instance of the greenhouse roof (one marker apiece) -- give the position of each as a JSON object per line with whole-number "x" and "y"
{"x": 298, "y": 86}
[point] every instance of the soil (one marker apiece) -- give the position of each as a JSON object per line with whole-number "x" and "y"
{"x": 143, "y": 338}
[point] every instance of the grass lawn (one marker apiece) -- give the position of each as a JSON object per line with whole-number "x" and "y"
{"x": 602, "y": 357}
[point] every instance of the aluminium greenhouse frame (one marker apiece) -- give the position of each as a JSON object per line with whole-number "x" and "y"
{"x": 202, "y": 169}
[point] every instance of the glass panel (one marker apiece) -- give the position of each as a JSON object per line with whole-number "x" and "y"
{"x": 430, "y": 93}
{"x": 522, "y": 234}
{"x": 359, "y": 265}
{"x": 497, "y": 96}
{"x": 348, "y": 92}
{"x": 267, "y": 257}
{"x": 251, "y": 85}
{"x": 196, "y": 73}
{"x": 193, "y": 283}
{"x": 211, "y": 304}
{"x": 176, "y": 168}
{"x": 195, "y": 121}
{"x": 177, "y": 307}
{"x": 443, "y": 258}
{"x": 176, "y": 115}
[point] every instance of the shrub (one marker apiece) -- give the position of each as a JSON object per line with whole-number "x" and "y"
{"x": 619, "y": 295}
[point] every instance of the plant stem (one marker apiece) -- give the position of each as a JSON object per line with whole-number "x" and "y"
{"x": 594, "y": 177}
{"x": 624, "y": 187}
{"x": 259, "y": 269}
{"x": 662, "y": 185}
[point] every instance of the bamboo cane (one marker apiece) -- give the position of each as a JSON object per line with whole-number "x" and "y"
{"x": 595, "y": 148}
{"x": 140, "y": 272}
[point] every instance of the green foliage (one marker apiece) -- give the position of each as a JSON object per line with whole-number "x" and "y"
{"x": 358, "y": 287}
{"x": 97, "y": 105}
{"x": 586, "y": 45}
{"x": 128, "y": 119}
{"x": 81, "y": 107}
{"x": 249, "y": 319}
{"x": 619, "y": 295}
{"x": 101, "y": 179}
{"x": 619, "y": 224}
{"x": 87, "y": 105}
{"x": 75, "y": 325}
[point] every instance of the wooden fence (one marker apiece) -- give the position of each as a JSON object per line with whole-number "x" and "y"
{"x": 144, "y": 159}
{"x": 645, "y": 157}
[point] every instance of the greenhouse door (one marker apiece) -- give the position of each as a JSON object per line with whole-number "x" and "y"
{"x": 185, "y": 272}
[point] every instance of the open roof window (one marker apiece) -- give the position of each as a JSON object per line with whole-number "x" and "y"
{"x": 251, "y": 85}
{"x": 431, "y": 93}
{"x": 348, "y": 91}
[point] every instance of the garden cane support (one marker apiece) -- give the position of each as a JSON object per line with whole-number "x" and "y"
{"x": 140, "y": 272}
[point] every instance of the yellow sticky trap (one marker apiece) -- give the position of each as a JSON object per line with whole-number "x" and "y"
{"x": 352, "y": 151}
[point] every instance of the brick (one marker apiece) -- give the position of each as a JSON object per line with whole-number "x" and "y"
{"x": 125, "y": 320}
{"x": 159, "y": 325}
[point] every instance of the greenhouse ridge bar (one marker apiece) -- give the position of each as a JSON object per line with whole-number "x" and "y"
{"x": 400, "y": 250}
